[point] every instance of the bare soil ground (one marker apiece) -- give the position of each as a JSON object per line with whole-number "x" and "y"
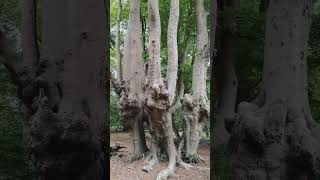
{"x": 122, "y": 169}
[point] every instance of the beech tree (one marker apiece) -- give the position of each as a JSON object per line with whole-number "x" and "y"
{"x": 226, "y": 78}
{"x": 118, "y": 52}
{"x": 275, "y": 136}
{"x": 182, "y": 56}
{"x": 131, "y": 96}
{"x": 62, "y": 85}
{"x": 196, "y": 105}
{"x": 160, "y": 94}
{"x": 159, "y": 98}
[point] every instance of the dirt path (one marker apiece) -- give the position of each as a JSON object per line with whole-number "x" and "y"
{"x": 122, "y": 169}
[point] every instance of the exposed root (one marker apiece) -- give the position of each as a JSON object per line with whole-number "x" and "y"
{"x": 201, "y": 168}
{"x": 194, "y": 158}
{"x": 181, "y": 143}
{"x": 305, "y": 147}
{"x": 188, "y": 166}
{"x": 150, "y": 163}
{"x": 164, "y": 174}
{"x": 185, "y": 165}
{"x": 180, "y": 161}
{"x": 273, "y": 132}
{"x": 136, "y": 157}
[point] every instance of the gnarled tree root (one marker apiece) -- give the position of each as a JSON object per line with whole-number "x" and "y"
{"x": 273, "y": 142}
{"x": 194, "y": 158}
{"x": 164, "y": 174}
{"x": 174, "y": 159}
{"x": 136, "y": 157}
{"x": 183, "y": 164}
{"x": 169, "y": 171}
{"x": 150, "y": 162}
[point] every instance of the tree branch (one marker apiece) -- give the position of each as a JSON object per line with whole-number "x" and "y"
{"x": 29, "y": 33}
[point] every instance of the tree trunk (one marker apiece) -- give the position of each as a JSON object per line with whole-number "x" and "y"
{"x": 118, "y": 80}
{"x": 118, "y": 52}
{"x": 172, "y": 44}
{"x": 63, "y": 89}
{"x": 157, "y": 94}
{"x": 159, "y": 97}
{"x": 196, "y": 106}
{"x": 131, "y": 97}
{"x": 275, "y": 137}
{"x": 228, "y": 82}
{"x": 180, "y": 88}
{"x": 213, "y": 44}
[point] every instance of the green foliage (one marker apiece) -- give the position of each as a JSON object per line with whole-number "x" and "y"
{"x": 115, "y": 118}
{"x": 187, "y": 75}
{"x": 250, "y": 47}
{"x": 314, "y": 91}
{"x": 314, "y": 67}
{"x": 13, "y": 164}
{"x": 114, "y": 11}
{"x": 12, "y": 157}
{"x": 9, "y": 11}
{"x": 178, "y": 120}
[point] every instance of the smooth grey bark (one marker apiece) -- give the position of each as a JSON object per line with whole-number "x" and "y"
{"x": 172, "y": 45}
{"x": 117, "y": 82}
{"x": 180, "y": 87}
{"x": 196, "y": 106}
{"x": 131, "y": 96}
{"x": 171, "y": 79}
{"x": 64, "y": 89}
{"x": 158, "y": 102}
{"x": 278, "y": 128}
{"x": 227, "y": 92}
{"x": 118, "y": 52}
{"x": 156, "y": 94}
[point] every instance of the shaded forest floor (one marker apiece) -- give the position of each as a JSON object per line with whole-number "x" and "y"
{"x": 122, "y": 169}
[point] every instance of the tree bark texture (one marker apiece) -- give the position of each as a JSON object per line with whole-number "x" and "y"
{"x": 118, "y": 42}
{"x": 131, "y": 96}
{"x": 196, "y": 106}
{"x": 275, "y": 136}
{"x": 63, "y": 88}
{"x": 160, "y": 95}
{"x": 227, "y": 92}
